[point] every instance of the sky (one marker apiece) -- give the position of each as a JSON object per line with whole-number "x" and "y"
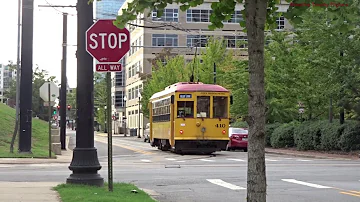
{"x": 48, "y": 34}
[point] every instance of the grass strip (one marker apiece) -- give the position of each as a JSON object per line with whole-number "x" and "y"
{"x": 122, "y": 192}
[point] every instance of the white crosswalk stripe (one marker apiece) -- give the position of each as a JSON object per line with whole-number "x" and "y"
{"x": 270, "y": 160}
{"x": 145, "y": 160}
{"x": 235, "y": 160}
{"x": 170, "y": 159}
{"x": 225, "y": 184}
{"x": 206, "y": 160}
{"x": 303, "y": 160}
{"x": 306, "y": 184}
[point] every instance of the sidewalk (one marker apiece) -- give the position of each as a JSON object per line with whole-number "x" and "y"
{"x": 128, "y": 137}
{"x": 28, "y": 192}
{"x": 313, "y": 154}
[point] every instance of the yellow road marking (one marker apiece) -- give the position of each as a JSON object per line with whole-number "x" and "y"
{"x": 351, "y": 194}
{"x": 347, "y": 192}
{"x": 357, "y": 192}
{"x": 126, "y": 147}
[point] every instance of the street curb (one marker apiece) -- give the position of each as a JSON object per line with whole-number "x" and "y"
{"x": 310, "y": 156}
{"x": 151, "y": 193}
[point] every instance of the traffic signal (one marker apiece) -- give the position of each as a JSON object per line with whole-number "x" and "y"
{"x": 58, "y": 107}
{"x": 54, "y": 111}
{"x": 69, "y": 107}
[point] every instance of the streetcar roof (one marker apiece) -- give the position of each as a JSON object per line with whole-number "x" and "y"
{"x": 189, "y": 87}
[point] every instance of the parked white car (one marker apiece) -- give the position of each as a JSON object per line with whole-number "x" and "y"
{"x": 147, "y": 133}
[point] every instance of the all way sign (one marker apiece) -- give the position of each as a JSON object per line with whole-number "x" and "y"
{"x": 106, "y": 67}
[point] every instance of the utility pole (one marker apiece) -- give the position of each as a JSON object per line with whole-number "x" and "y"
{"x": 85, "y": 163}
{"x": 26, "y": 76}
{"x": 63, "y": 89}
{"x": 63, "y": 86}
{"x": 18, "y": 73}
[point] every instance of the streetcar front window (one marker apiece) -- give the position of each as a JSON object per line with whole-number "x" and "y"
{"x": 220, "y": 107}
{"x": 185, "y": 109}
{"x": 203, "y": 107}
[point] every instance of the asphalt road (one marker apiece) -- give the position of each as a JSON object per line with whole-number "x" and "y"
{"x": 204, "y": 178}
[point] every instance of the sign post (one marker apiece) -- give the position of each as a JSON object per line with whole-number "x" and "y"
{"x": 49, "y": 92}
{"x": 108, "y": 44}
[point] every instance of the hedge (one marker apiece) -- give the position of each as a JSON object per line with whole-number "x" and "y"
{"x": 313, "y": 135}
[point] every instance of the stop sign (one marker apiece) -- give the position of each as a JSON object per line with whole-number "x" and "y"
{"x": 107, "y": 43}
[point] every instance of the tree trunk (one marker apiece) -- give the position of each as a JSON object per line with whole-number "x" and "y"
{"x": 256, "y": 175}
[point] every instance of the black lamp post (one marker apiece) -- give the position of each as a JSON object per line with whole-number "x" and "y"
{"x": 139, "y": 117}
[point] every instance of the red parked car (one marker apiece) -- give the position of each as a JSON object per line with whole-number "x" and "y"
{"x": 238, "y": 139}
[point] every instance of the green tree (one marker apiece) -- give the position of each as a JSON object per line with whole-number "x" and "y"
{"x": 100, "y": 98}
{"x": 40, "y": 76}
{"x": 256, "y": 13}
{"x": 174, "y": 71}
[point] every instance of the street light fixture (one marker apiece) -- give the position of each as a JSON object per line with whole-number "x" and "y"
{"x": 139, "y": 95}
{"x": 124, "y": 118}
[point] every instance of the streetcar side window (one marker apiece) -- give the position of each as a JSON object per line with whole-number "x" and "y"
{"x": 185, "y": 109}
{"x": 220, "y": 107}
{"x": 203, "y": 107}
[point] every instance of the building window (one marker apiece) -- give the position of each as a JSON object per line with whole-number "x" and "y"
{"x": 129, "y": 94}
{"x": 235, "y": 18}
{"x": 119, "y": 99}
{"x": 280, "y": 23}
{"x": 140, "y": 88}
{"x": 119, "y": 79}
{"x": 193, "y": 15}
{"x": 169, "y": 15}
{"x": 133, "y": 93}
{"x": 129, "y": 72}
{"x": 140, "y": 69}
{"x": 137, "y": 91}
{"x": 133, "y": 69}
{"x": 197, "y": 40}
{"x": 165, "y": 40}
{"x": 235, "y": 41}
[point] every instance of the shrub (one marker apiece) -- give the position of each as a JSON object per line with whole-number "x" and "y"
{"x": 283, "y": 136}
{"x": 240, "y": 124}
{"x": 307, "y": 136}
{"x": 330, "y": 136}
{"x": 269, "y": 129}
{"x": 350, "y": 138}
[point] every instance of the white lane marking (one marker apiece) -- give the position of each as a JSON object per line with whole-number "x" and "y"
{"x": 145, "y": 160}
{"x": 303, "y": 160}
{"x": 170, "y": 159}
{"x": 6, "y": 166}
{"x": 180, "y": 161}
{"x": 306, "y": 183}
{"x": 225, "y": 184}
{"x": 205, "y": 160}
{"x": 271, "y": 160}
{"x": 235, "y": 160}
{"x": 288, "y": 158}
{"x": 46, "y": 164}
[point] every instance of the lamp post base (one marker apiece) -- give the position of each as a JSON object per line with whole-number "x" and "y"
{"x": 85, "y": 165}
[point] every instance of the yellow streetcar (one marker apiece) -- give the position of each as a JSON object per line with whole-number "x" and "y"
{"x": 190, "y": 117}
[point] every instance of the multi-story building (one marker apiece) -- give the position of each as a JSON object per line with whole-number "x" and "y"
{"x": 185, "y": 31}
{"x": 108, "y": 9}
{"x": 6, "y": 76}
